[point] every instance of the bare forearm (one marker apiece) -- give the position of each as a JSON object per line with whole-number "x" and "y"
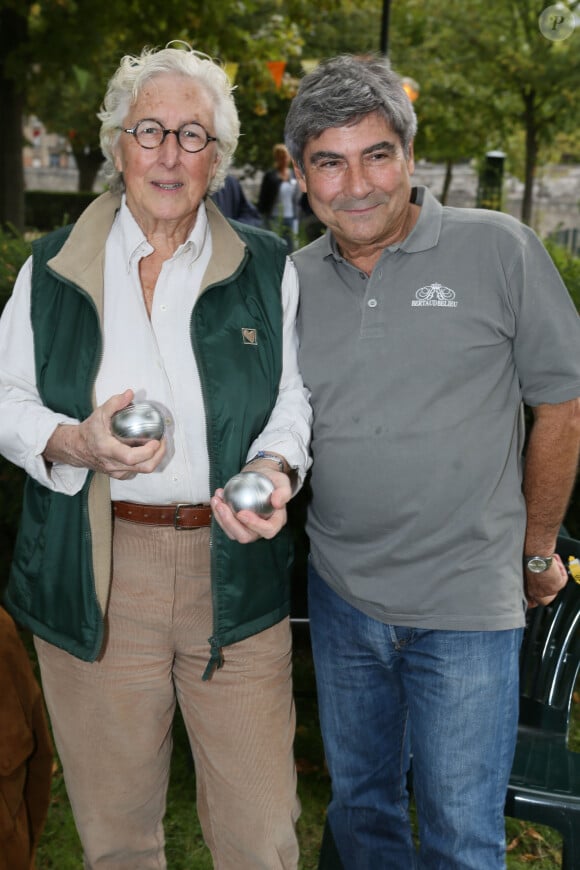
{"x": 550, "y": 470}
{"x": 65, "y": 445}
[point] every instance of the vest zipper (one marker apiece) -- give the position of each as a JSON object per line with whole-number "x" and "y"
{"x": 216, "y": 658}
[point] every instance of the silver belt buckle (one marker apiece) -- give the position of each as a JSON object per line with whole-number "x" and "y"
{"x": 176, "y": 519}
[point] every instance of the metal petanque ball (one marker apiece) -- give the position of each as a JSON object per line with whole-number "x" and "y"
{"x": 250, "y": 491}
{"x": 138, "y": 423}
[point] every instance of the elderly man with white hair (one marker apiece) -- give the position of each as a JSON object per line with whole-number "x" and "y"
{"x": 138, "y": 589}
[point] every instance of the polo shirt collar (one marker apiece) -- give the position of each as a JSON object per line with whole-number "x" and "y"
{"x": 135, "y": 246}
{"x": 424, "y": 235}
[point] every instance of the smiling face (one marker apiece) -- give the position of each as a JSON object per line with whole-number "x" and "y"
{"x": 164, "y": 186}
{"x": 358, "y": 181}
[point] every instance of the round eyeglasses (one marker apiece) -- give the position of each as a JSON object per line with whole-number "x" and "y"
{"x": 151, "y": 134}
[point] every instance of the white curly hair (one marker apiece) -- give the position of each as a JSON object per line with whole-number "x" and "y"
{"x": 176, "y": 58}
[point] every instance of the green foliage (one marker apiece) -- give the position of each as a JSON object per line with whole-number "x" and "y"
{"x": 486, "y": 74}
{"x": 566, "y": 147}
{"x": 14, "y": 250}
{"x": 563, "y": 148}
{"x": 350, "y": 26}
{"x": 568, "y": 266}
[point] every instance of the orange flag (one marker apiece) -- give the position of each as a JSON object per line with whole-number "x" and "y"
{"x": 276, "y": 68}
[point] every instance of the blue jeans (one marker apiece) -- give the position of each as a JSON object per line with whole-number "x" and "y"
{"x": 449, "y": 698}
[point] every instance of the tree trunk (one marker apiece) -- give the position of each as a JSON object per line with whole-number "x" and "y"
{"x": 13, "y": 33}
{"x": 447, "y": 181}
{"x": 88, "y": 163}
{"x": 531, "y": 159}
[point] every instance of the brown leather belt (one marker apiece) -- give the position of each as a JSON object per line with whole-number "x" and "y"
{"x": 180, "y": 516}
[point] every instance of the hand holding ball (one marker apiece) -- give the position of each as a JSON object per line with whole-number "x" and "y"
{"x": 250, "y": 491}
{"x": 138, "y": 423}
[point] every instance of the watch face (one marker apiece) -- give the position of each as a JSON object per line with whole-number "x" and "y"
{"x": 537, "y": 564}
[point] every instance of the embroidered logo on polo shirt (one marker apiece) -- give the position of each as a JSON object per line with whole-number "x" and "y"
{"x": 435, "y": 296}
{"x": 249, "y": 336}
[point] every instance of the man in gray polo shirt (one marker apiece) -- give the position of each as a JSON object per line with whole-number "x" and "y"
{"x": 423, "y": 330}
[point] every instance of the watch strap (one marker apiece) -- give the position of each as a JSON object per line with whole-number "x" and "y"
{"x": 273, "y": 457}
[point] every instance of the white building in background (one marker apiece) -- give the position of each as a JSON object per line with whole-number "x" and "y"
{"x": 48, "y": 160}
{"x": 43, "y": 150}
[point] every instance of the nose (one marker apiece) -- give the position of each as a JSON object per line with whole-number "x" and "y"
{"x": 357, "y": 182}
{"x": 169, "y": 148}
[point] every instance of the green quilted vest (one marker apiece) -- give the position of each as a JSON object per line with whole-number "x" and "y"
{"x": 236, "y": 332}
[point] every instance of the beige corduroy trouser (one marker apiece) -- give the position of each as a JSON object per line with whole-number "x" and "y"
{"x": 112, "y": 718}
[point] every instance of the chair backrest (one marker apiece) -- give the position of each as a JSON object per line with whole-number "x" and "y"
{"x": 550, "y": 658}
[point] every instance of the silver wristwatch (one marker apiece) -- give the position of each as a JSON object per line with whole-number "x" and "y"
{"x": 537, "y": 564}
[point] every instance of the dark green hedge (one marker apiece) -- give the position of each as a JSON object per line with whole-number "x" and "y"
{"x": 45, "y": 210}
{"x": 13, "y": 252}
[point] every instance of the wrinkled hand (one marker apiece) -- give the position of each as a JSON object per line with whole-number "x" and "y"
{"x": 543, "y": 588}
{"x": 92, "y": 445}
{"x": 247, "y": 526}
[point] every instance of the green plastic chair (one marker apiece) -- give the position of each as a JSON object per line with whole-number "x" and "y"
{"x": 545, "y": 780}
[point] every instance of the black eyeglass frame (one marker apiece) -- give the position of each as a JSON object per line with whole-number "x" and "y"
{"x": 165, "y": 132}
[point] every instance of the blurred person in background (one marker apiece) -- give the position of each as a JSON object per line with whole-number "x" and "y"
{"x": 278, "y": 199}
{"x": 233, "y": 203}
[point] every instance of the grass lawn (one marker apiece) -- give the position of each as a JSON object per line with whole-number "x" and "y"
{"x": 529, "y": 846}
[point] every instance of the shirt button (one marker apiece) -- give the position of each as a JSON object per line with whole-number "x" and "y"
{"x": 372, "y": 303}
{"x": 363, "y": 275}
{"x": 380, "y": 274}
{"x": 163, "y": 307}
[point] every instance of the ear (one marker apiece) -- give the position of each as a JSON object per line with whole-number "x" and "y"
{"x": 300, "y": 177}
{"x": 214, "y": 166}
{"x": 117, "y": 160}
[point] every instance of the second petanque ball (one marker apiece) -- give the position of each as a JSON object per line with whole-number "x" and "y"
{"x": 138, "y": 423}
{"x": 250, "y": 491}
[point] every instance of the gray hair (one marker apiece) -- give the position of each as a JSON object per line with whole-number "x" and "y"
{"x": 342, "y": 90}
{"x": 135, "y": 71}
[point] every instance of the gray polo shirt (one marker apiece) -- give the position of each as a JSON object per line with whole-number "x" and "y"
{"x": 418, "y": 374}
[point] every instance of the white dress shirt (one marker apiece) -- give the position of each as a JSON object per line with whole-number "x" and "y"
{"x": 153, "y": 357}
